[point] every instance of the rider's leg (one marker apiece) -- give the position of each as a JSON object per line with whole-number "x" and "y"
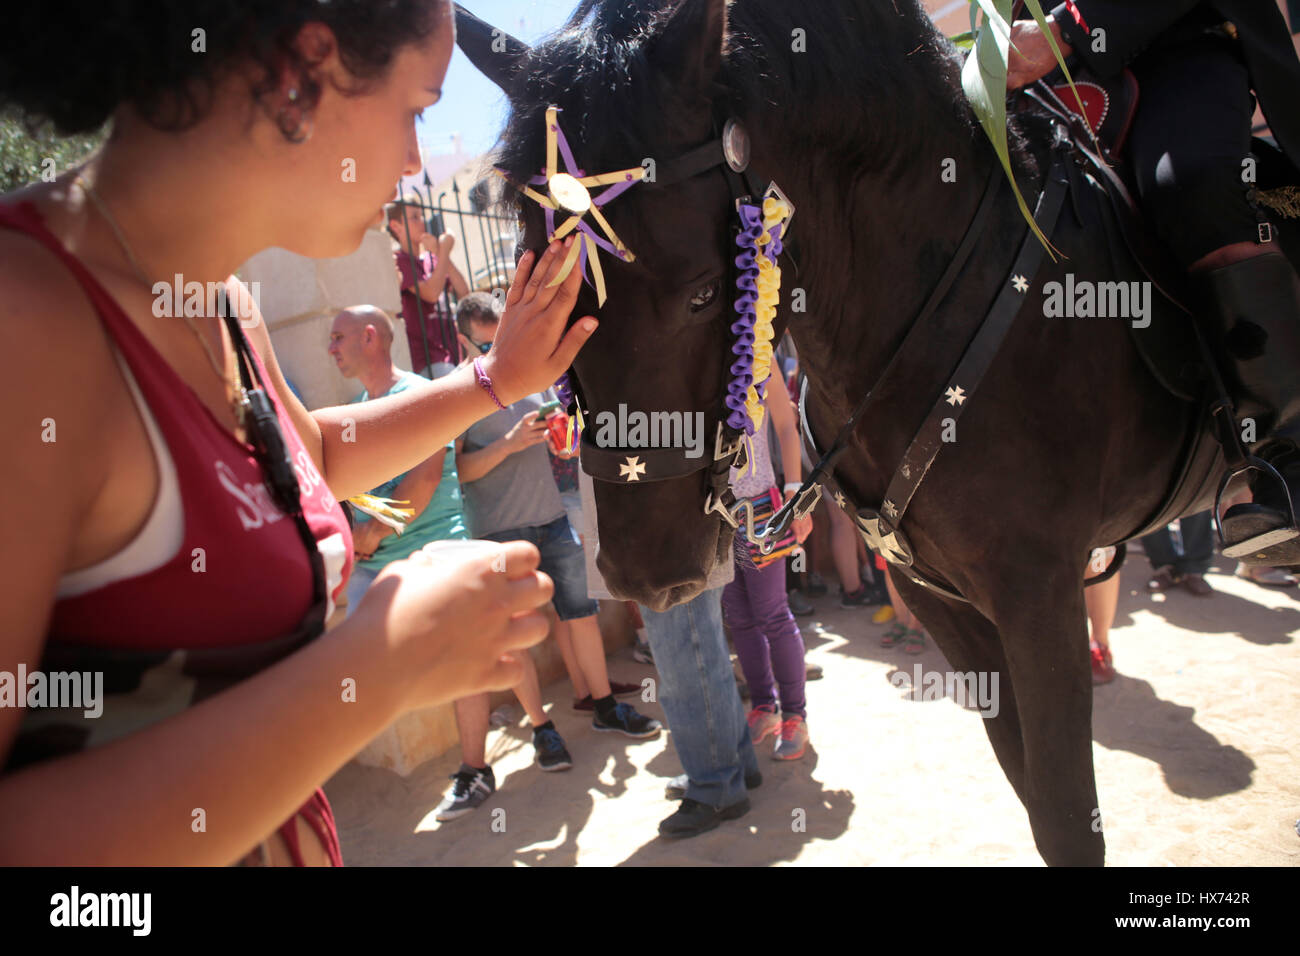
{"x": 1190, "y": 151}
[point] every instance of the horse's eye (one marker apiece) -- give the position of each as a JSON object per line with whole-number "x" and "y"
{"x": 705, "y": 296}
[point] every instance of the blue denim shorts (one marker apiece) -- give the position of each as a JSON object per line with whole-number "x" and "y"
{"x": 562, "y": 559}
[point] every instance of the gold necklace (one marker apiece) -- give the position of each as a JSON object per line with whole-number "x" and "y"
{"x": 234, "y": 392}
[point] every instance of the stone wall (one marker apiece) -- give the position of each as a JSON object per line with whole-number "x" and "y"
{"x": 299, "y": 299}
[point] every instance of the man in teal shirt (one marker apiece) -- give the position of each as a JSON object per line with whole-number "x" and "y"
{"x": 361, "y": 340}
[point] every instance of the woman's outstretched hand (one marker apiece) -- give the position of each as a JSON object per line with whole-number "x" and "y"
{"x": 531, "y": 349}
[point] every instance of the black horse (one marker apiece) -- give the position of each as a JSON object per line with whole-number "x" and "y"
{"x": 855, "y": 109}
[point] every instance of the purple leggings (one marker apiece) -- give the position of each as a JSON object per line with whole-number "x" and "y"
{"x": 767, "y": 639}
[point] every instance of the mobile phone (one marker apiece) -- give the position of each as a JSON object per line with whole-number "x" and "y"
{"x": 547, "y": 410}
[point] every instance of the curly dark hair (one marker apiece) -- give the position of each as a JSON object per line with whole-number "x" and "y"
{"x": 75, "y": 70}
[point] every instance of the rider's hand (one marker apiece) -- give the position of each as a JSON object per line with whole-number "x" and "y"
{"x": 1030, "y": 56}
{"x": 447, "y": 620}
{"x": 531, "y": 350}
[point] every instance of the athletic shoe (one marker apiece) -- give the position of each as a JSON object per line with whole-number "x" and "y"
{"x": 793, "y": 739}
{"x": 617, "y": 688}
{"x": 799, "y": 606}
{"x": 625, "y": 720}
{"x": 864, "y": 596}
{"x": 1103, "y": 667}
{"x": 676, "y": 788}
{"x": 815, "y": 586}
{"x": 641, "y": 652}
{"x": 812, "y": 671}
{"x": 1162, "y": 579}
{"x": 469, "y": 788}
{"x": 552, "y": 755}
{"x": 693, "y": 818}
{"x": 762, "y": 724}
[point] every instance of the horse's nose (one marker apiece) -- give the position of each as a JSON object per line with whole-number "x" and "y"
{"x": 658, "y": 592}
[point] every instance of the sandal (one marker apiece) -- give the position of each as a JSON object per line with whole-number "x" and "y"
{"x": 913, "y": 641}
{"x": 894, "y": 636}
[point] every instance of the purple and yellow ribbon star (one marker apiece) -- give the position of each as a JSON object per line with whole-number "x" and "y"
{"x": 570, "y": 192}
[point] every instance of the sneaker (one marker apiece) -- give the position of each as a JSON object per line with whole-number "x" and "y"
{"x": 469, "y": 788}
{"x": 793, "y": 739}
{"x": 762, "y": 724}
{"x": 864, "y": 596}
{"x": 641, "y": 652}
{"x": 1103, "y": 667}
{"x": 812, "y": 671}
{"x": 676, "y": 788}
{"x": 1162, "y": 579}
{"x": 799, "y": 605}
{"x": 815, "y": 586}
{"x": 617, "y": 688}
{"x": 693, "y": 818}
{"x": 1268, "y": 577}
{"x": 1196, "y": 584}
{"x": 625, "y": 720}
{"x": 552, "y": 755}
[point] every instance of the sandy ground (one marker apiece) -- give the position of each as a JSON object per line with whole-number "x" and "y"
{"x": 1195, "y": 748}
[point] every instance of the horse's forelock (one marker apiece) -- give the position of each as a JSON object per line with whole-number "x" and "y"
{"x": 616, "y": 110}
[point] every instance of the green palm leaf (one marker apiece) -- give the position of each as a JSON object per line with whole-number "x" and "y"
{"x": 984, "y": 80}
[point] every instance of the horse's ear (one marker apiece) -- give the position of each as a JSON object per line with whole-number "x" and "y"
{"x": 689, "y": 45}
{"x": 494, "y": 52}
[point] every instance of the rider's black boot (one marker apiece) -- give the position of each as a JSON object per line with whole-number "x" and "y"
{"x": 1253, "y": 324}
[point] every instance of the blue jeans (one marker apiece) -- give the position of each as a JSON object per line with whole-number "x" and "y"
{"x": 563, "y": 560}
{"x": 697, "y": 690}
{"x": 1198, "y": 545}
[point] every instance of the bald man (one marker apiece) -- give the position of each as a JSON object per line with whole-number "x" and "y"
{"x": 361, "y": 341}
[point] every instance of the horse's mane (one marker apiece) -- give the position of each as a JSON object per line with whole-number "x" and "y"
{"x": 877, "y": 81}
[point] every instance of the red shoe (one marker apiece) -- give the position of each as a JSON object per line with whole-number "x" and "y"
{"x": 1103, "y": 667}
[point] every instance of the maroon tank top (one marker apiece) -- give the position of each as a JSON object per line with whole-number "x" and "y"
{"x": 236, "y": 597}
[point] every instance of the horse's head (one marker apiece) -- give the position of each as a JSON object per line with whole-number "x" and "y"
{"x": 637, "y": 87}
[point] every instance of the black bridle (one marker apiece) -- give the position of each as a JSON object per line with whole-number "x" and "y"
{"x": 727, "y": 151}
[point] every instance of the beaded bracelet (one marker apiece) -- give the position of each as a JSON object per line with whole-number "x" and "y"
{"x": 482, "y": 378}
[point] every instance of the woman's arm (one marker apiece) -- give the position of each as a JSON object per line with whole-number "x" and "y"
{"x": 787, "y": 430}
{"x": 391, "y": 435}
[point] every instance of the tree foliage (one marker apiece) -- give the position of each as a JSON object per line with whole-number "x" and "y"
{"x": 29, "y": 155}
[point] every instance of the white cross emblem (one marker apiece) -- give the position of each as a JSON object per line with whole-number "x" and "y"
{"x": 839, "y": 500}
{"x": 1020, "y": 283}
{"x": 890, "y": 510}
{"x": 886, "y": 546}
{"x": 956, "y": 395}
{"x": 633, "y": 470}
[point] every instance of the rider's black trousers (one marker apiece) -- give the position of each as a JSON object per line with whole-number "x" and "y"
{"x": 1189, "y": 141}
